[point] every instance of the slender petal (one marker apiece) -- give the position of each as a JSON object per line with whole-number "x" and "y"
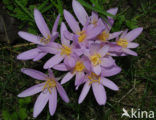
{"x": 50, "y": 50}
{"x": 69, "y": 61}
{"x": 79, "y": 78}
{"x": 112, "y": 11}
{"x": 40, "y": 56}
{"x": 99, "y": 93}
{"x": 32, "y": 90}
{"x": 53, "y": 101}
{"x": 80, "y": 12}
{"x": 40, "y": 103}
{"x": 114, "y": 35}
{"x": 50, "y": 73}
{"x": 73, "y": 24}
{"x": 30, "y": 37}
{"x": 64, "y": 41}
{"x": 62, "y": 92}
{"x": 28, "y": 55}
{"x": 109, "y": 84}
{"x": 97, "y": 69}
{"x": 133, "y": 34}
{"x": 55, "y": 26}
{"x": 130, "y": 52}
{"x": 103, "y": 50}
{"x": 84, "y": 92}
{"x": 53, "y": 61}
{"x": 111, "y": 71}
{"x": 34, "y": 73}
{"x": 60, "y": 67}
{"x": 107, "y": 62}
{"x": 94, "y": 32}
{"x": 67, "y": 77}
{"x": 132, "y": 45}
{"x": 41, "y": 24}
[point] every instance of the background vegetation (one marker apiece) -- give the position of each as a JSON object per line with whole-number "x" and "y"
{"x": 137, "y": 81}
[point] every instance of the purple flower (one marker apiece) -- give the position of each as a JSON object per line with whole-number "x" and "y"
{"x": 88, "y": 32}
{"x": 48, "y": 90}
{"x": 98, "y": 57}
{"x": 97, "y": 82}
{"x": 125, "y": 41}
{"x": 105, "y": 35}
{"x": 36, "y": 53}
{"x": 78, "y": 70}
{"x": 65, "y": 51}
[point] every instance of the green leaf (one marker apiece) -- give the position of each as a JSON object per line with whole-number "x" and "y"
{"x": 5, "y": 115}
{"x": 101, "y": 11}
{"x": 22, "y": 113}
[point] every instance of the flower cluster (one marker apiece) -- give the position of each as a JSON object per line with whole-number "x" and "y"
{"x": 85, "y": 53}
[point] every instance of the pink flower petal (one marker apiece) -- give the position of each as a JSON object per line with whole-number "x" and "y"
{"x": 40, "y": 103}
{"x": 53, "y": 101}
{"x": 60, "y": 67}
{"x": 130, "y": 52}
{"x": 53, "y": 61}
{"x": 64, "y": 41}
{"x": 73, "y": 24}
{"x": 99, "y": 93}
{"x": 32, "y": 90}
{"x": 84, "y": 92}
{"x": 62, "y": 92}
{"x": 28, "y": 55}
{"x": 104, "y": 50}
{"x": 79, "y": 78}
{"x": 106, "y": 82}
{"x": 41, "y": 24}
{"x": 107, "y": 62}
{"x": 30, "y": 37}
{"x": 67, "y": 77}
{"x": 114, "y": 35}
{"x": 50, "y": 50}
{"x": 132, "y": 45}
{"x": 69, "y": 61}
{"x": 34, "y": 73}
{"x": 39, "y": 56}
{"x": 80, "y": 12}
{"x": 111, "y": 71}
{"x": 55, "y": 26}
{"x": 133, "y": 34}
{"x": 97, "y": 69}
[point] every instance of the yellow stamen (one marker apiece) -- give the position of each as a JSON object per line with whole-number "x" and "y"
{"x": 50, "y": 83}
{"x": 122, "y": 42}
{"x": 95, "y": 59}
{"x": 94, "y": 22}
{"x": 79, "y": 67}
{"x": 65, "y": 50}
{"x": 103, "y": 36}
{"x": 46, "y": 40}
{"x": 93, "y": 78}
{"x": 82, "y": 36}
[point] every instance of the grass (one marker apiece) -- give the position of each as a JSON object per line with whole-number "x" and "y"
{"x": 137, "y": 81}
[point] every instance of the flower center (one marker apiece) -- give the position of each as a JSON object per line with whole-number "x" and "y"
{"x": 65, "y": 50}
{"x": 50, "y": 83}
{"x": 94, "y": 22}
{"x": 95, "y": 59}
{"x": 122, "y": 42}
{"x": 82, "y": 36}
{"x": 93, "y": 78}
{"x": 46, "y": 40}
{"x": 79, "y": 67}
{"x": 103, "y": 36}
